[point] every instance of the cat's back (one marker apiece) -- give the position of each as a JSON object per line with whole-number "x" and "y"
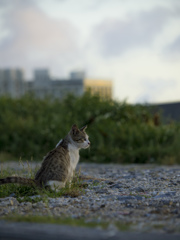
{"x": 58, "y": 154}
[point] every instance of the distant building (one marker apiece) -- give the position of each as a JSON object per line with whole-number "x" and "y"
{"x": 98, "y": 86}
{"x": 77, "y": 75}
{"x": 41, "y": 75}
{"x": 60, "y": 88}
{"x": 41, "y": 83}
{"x": 12, "y": 83}
{"x": 169, "y": 111}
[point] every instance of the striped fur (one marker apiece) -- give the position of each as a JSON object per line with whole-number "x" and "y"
{"x": 20, "y": 180}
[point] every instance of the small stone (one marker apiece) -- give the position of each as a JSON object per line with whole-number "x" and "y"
{"x": 139, "y": 189}
{"x": 175, "y": 211}
{"x": 102, "y": 191}
{"x": 124, "y": 198}
{"x": 102, "y": 205}
{"x": 27, "y": 206}
{"x": 35, "y": 196}
{"x": 12, "y": 195}
{"x": 165, "y": 195}
{"x": 109, "y": 182}
{"x": 116, "y": 185}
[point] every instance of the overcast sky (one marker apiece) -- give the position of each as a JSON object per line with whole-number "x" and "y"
{"x": 136, "y": 43}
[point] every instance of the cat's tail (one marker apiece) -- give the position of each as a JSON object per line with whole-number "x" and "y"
{"x": 20, "y": 180}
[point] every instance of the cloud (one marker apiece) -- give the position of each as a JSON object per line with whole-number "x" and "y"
{"x": 36, "y": 40}
{"x": 16, "y": 3}
{"x": 155, "y": 89}
{"x": 175, "y": 46}
{"x": 172, "y": 51}
{"x": 122, "y": 42}
{"x": 114, "y": 37}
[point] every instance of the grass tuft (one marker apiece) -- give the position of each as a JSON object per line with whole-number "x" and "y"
{"x": 23, "y": 193}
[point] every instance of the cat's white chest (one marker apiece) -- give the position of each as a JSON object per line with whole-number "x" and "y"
{"x": 74, "y": 156}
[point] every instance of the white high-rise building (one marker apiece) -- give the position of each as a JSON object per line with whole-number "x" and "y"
{"x": 12, "y": 82}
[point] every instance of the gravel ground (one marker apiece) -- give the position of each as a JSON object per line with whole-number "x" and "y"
{"x": 145, "y": 197}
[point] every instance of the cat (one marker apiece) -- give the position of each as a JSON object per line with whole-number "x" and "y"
{"x": 58, "y": 165}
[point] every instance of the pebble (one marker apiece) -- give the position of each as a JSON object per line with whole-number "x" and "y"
{"x": 146, "y": 197}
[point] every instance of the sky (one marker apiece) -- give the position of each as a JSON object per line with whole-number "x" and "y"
{"x": 134, "y": 43}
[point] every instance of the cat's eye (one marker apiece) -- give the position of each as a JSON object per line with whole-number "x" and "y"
{"x": 80, "y": 140}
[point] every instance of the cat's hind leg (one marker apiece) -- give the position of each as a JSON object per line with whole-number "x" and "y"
{"x": 55, "y": 185}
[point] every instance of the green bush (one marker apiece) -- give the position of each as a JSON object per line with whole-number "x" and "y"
{"x": 119, "y": 132}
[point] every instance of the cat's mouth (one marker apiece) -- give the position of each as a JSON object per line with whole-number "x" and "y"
{"x": 87, "y": 146}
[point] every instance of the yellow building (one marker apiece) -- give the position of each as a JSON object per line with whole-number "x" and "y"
{"x": 98, "y": 86}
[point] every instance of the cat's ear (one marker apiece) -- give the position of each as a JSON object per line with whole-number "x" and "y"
{"x": 74, "y": 129}
{"x": 83, "y": 128}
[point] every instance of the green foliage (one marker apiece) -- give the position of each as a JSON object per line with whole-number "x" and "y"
{"x": 119, "y": 132}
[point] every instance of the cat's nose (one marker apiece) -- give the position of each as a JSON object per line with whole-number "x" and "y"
{"x": 89, "y": 143}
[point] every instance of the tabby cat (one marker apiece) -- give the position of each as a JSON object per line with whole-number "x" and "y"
{"x": 58, "y": 165}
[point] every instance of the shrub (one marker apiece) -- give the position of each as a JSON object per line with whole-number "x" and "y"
{"x": 119, "y": 132}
